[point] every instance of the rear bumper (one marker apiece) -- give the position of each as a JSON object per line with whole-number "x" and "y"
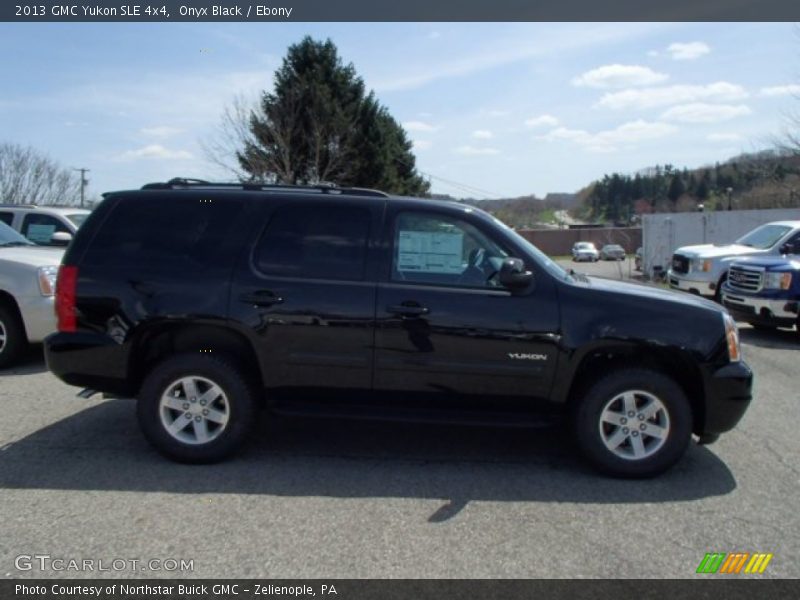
{"x": 728, "y": 394}
{"x": 88, "y": 360}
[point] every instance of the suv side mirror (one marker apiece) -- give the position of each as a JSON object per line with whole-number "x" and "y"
{"x": 61, "y": 238}
{"x": 513, "y": 274}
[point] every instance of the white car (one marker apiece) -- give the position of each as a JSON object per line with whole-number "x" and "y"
{"x": 44, "y": 225}
{"x": 703, "y": 269}
{"x": 585, "y": 251}
{"x": 27, "y": 284}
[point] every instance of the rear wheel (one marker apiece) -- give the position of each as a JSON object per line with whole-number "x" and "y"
{"x": 634, "y": 423}
{"x": 196, "y": 409}
{"x": 13, "y": 341}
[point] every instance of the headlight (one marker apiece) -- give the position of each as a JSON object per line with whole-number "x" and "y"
{"x": 702, "y": 265}
{"x": 778, "y": 281}
{"x": 732, "y": 338}
{"x": 47, "y": 280}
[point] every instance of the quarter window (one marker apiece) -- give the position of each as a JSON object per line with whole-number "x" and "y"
{"x": 316, "y": 242}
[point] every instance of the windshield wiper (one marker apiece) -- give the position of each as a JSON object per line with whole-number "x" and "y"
{"x": 578, "y": 276}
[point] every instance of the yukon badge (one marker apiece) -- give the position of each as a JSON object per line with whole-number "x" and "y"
{"x": 521, "y": 356}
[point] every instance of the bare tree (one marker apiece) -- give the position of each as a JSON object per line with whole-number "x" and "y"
{"x": 29, "y": 177}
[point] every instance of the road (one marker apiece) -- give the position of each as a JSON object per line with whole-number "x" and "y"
{"x": 356, "y": 500}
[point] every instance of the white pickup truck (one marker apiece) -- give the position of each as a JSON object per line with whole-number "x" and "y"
{"x": 27, "y": 283}
{"x": 703, "y": 269}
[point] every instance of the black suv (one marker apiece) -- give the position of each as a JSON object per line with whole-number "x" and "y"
{"x": 208, "y": 301}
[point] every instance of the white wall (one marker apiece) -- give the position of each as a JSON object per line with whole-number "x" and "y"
{"x": 663, "y": 233}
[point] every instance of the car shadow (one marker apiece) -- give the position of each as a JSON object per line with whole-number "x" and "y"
{"x": 101, "y": 448}
{"x": 782, "y": 339}
{"x": 30, "y": 364}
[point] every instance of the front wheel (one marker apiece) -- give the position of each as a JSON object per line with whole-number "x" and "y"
{"x": 634, "y": 423}
{"x": 196, "y": 409}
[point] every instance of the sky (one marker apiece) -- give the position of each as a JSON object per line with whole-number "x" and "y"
{"x": 493, "y": 109}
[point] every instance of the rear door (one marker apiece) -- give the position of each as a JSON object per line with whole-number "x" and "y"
{"x": 306, "y": 292}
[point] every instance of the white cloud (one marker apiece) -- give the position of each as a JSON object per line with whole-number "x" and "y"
{"x": 418, "y": 126}
{"x": 542, "y": 121}
{"x": 160, "y": 131}
{"x": 617, "y": 76}
{"x": 473, "y": 151}
{"x": 422, "y": 144}
{"x": 688, "y": 51}
{"x": 700, "y": 112}
{"x": 671, "y": 94}
{"x": 780, "y": 90}
{"x": 610, "y": 140}
{"x": 482, "y": 134}
{"x": 154, "y": 151}
{"x": 723, "y": 137}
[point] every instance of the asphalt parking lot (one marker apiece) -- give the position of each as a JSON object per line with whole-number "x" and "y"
{"x": 354, "y": 500}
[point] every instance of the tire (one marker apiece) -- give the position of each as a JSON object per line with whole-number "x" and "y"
{"x": 596, "y": 435}
{"x": 219, "y": 388}
{"x": 13, "y": 339}
{"x": 718, "y": 291}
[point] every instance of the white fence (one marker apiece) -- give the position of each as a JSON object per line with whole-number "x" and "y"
{"x": 663, "y": 233}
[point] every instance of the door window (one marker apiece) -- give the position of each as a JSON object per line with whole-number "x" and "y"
{"x": 315, "y": 242}
{"x": 40, "y": 228}
{"x": 442, "y": 250}
{"x": 6, "y": 217}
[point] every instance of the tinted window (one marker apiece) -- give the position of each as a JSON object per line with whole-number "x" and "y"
{"x": 440, "y": 250}
{"x": 168, "y": 233}
{"x": 6, "y": 217}
{"x": 315, "y": 241}
{"x": 40, "y": 228}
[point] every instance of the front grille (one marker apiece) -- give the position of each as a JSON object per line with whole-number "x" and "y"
{"x": 745, "y": 279}
{"x": 680, "y": 264}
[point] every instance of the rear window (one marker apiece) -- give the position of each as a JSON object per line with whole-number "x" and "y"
{"x": 167, "y": 233}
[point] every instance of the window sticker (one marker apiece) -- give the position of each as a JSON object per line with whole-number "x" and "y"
{"x": 40, "y": 234}
{"x": 430, "y": 252}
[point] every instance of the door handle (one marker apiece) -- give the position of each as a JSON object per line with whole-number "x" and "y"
{"x": 261, "y": 298}
{"x": 408, "y": 309}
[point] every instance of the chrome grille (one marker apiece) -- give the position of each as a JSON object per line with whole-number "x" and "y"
{"x": 680, "y": 264}
{"x": 745, "y": 279}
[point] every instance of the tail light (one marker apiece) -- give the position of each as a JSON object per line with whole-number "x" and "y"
{"x": 66, "y": 286}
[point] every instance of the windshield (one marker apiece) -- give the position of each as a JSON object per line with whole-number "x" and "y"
{"x": 764, "y": 237}
{"x": 77, "y": 218}
{"x": 544, "y": 260}
{"x": 9, "y": 237}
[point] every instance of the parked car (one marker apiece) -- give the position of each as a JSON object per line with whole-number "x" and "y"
{"x": 703, "y": 269}
{"x": 27, "y": 285}
{"x": 638, "y": 258}
{"x": 43, "y": 225}
{"x": 207, "y": 301}
{"x": 765, "y": 291}
{"x": 585, "y": 251}
{"x": 612, "y": 252}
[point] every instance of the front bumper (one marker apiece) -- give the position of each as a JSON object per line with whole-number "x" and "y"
{"x": 38, "y": 315}
{"x": 728, "y": 394}
{"x": 759, "y": 310}
{"x": 680, "y": 281}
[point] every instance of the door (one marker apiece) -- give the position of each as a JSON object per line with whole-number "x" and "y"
{"x": 307, "y": 294}
{"x": 446, "y": 326}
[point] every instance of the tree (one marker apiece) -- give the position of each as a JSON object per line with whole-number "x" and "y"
{"x": 29, "y": 177}
{"x": 676, "y": 188}
{"x": 318, "y": 125}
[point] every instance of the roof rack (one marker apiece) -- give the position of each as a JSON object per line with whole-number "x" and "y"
{"x": 188, "y": 183}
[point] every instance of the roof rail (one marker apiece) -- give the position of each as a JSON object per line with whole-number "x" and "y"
{"x": 12, "y": 205}
{"x": 188, "y": 183}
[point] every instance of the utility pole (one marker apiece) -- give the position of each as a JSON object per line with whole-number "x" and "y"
{"x": 84, "y": 182}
